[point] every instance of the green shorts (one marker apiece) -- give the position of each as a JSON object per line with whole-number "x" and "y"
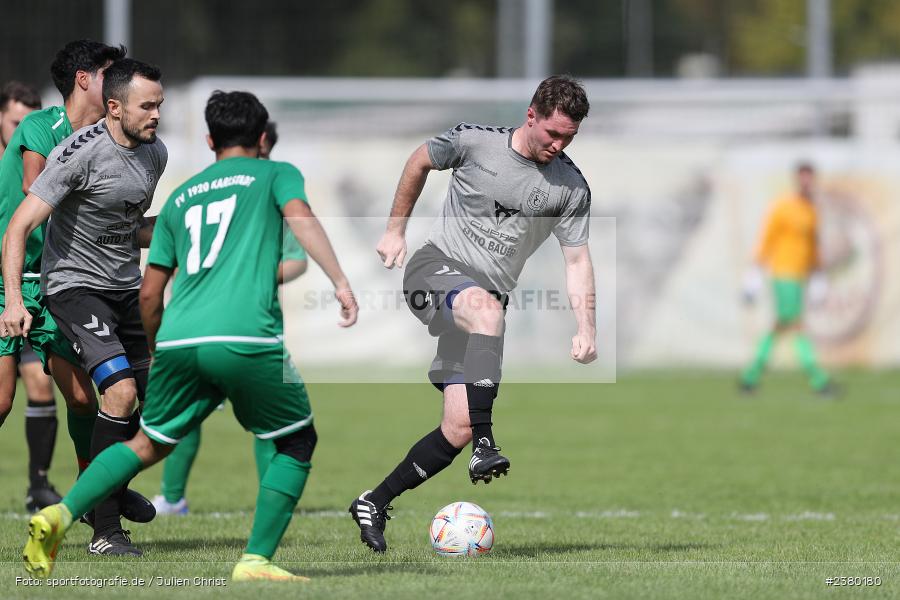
{"x": 788, "y": 299}
{"x": 45, "y": 336}
{"x": 187, "y": 384}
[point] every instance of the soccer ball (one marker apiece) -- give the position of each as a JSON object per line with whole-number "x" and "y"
{"x": 462, "y": 529}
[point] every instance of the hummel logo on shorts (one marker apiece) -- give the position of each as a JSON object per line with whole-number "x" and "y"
{"x": 95, "y": 324}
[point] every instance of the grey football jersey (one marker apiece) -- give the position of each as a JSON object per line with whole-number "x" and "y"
{"x": 500, "y": 206}
{"x": 99, "y": 192}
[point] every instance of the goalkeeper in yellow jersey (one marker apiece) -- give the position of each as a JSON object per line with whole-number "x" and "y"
{"x": 788, "y": 251}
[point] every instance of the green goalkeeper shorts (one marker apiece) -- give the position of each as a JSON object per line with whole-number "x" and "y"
{"x": 187, "y": 384}
{"x": 788, "y": 300}
{"x": 45, "y": 336}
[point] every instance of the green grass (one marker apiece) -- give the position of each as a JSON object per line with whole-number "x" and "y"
{"x": 661, "y": 485}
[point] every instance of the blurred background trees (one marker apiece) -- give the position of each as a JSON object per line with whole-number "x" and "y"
{"x": 438, "y": 38}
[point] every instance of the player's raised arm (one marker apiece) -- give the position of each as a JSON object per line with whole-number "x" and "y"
{"x": 392, "y": 246}
{"x": 582, "y": 297}
{"x": 313, "y": 238}
{"x": 15, "y": 319}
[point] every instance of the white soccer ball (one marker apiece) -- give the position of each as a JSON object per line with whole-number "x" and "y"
{"x": 462, "y": 529}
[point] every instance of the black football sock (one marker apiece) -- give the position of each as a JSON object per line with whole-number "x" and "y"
{"x": 40, "y": 432}
{"x": 428, "y": 457}
{"x": 141, "y": 376}
{"x": 134, "y": 425}
{"x": 108, "y": 430}
{"x": 481, "y": 369}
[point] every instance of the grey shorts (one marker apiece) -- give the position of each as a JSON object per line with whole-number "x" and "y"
{"x": 104, "y": 328}
{"x": 430, "y": 283}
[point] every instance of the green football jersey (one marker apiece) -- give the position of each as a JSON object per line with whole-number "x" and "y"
{"x": 222, "y": 229}
{"x": 40, "y": 131}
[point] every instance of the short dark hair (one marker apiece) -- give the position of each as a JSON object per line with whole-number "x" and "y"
{"x": 562, "y": 93}
{"x": 81, "y": 55}
{"x": 16, "y": 91}
{"x": 235, "y": 119}
{"x": 117, "y": 77}
{"x": 272, "y": 133}
{"x": 804, "y": 166}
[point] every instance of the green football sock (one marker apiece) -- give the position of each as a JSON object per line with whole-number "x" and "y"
{"x": 81, "y": 428}
{"x": 279, "y": 492}
{"x": 108, "y": 472}
{"x": 178, "y": 465}
{"x": 753, "y": 373}
{"x": 264, "y": 451}
{"x": 806, "y": 354}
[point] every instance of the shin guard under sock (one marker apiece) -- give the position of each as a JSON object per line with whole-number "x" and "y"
{"x": 40, "y": 432}
{"x": 81, "y": 430}
{"x": 107, "y": 471}
{"x": 108, "y": 430}
{"x": 428, "y": 457}
{"x": 279, "y": 491}
{"x": 482, "y": 374}
{"x": 177, "y": 467}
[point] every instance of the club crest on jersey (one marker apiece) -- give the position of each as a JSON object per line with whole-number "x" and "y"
{"x": 502, "y": 213}
{"x": 151, "y": 176}
{"x": 538, "y": 199}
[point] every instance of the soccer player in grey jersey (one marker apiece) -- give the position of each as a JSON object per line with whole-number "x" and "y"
{"x": 77, "y": 72}
{"x": 98, "y": 183}
{"x": 511, "y": 188}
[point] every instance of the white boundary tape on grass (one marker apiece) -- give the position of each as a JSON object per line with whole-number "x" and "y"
{"x": 540, "y": 514}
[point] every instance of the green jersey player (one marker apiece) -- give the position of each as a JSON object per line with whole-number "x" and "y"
{"x": 172, "y": 498}
{"x": 17, "y": 100}
{"x": 219, "y": 335}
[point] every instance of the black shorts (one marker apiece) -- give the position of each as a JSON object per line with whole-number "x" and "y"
{"x": 101, "y": 325}
{"x": 430, "y": 280}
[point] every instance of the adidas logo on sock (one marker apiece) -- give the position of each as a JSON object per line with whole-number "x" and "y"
{"x": 420, "y": 471}
{"x": 484, "y": 383}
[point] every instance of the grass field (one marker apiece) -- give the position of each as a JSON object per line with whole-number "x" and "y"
{"x": 660, "y": 485}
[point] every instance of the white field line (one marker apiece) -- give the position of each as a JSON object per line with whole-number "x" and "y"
{"x": 750, "y": 517}
{"x": 541, "y": 514}
{"x": 812, "y": 516}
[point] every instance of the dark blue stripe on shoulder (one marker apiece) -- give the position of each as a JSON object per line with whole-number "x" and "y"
{"x": 79, "y": 142}
{"x": 492, "y": 129}
{"x": 566, "y": 160}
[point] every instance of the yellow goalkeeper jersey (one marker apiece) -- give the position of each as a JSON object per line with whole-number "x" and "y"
{"x": 788, "y": 247}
